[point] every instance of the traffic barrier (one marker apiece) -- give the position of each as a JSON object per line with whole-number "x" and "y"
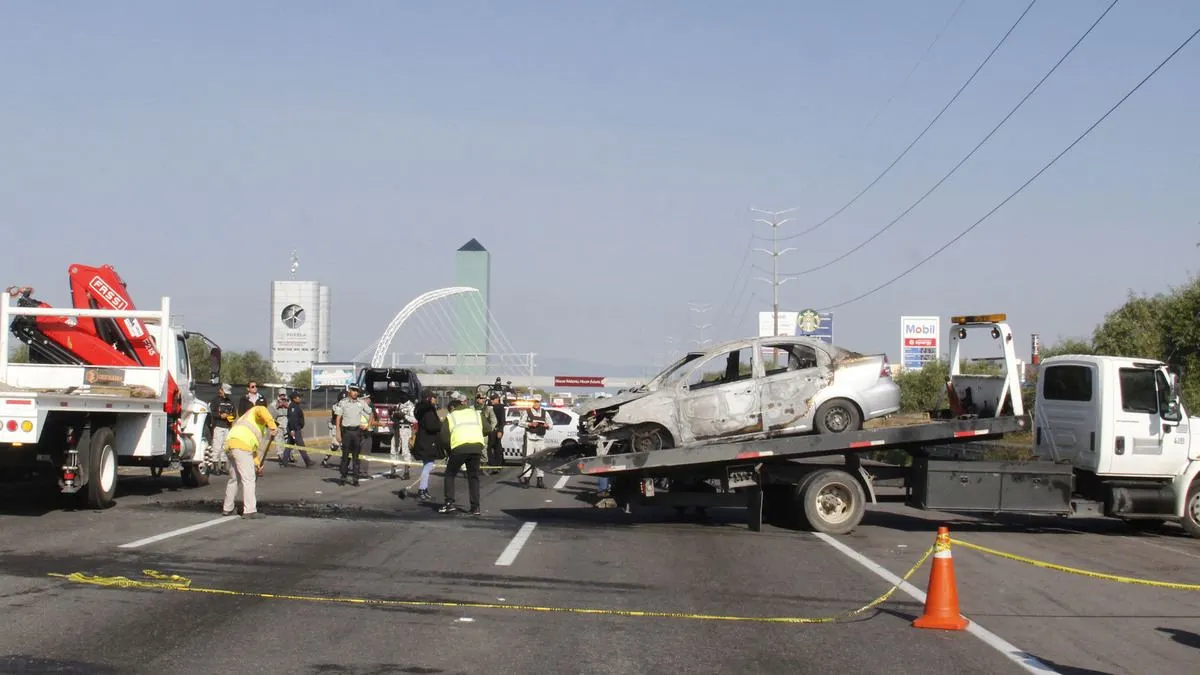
{"x": 941, "y": 598}
{"x": 1073, "y": 570}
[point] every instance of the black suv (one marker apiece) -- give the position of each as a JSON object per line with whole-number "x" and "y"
{"x": 385, "y": 386}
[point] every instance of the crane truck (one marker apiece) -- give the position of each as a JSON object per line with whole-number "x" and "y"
{"x": 1110, "y": 438}
{"x": 105, "y": 385}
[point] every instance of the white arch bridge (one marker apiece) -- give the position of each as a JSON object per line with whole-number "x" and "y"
{"x": 454, "y": 339}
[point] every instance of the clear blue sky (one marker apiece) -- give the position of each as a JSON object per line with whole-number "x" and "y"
{"x": 607, "y": 153}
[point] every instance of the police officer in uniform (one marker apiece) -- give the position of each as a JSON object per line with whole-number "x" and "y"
{"x": 464, "y": 425}
{"x": 536, "y": 422}
{"x": 353, "y": 417}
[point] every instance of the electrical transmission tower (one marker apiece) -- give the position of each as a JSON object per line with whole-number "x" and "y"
{"x": 775, "y": 282}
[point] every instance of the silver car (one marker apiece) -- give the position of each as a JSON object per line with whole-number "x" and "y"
{"x": 742, "y": 389}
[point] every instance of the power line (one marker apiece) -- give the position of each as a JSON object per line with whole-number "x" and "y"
{"x": 1026, "y": 184}
{"x": 921, "y": 135}
{"x": 904, "y": 83}
{"x": 970, "y": 154}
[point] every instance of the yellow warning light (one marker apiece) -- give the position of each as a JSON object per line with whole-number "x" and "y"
{"x": 27, "y": 426}
{"x": 978, "y": 318}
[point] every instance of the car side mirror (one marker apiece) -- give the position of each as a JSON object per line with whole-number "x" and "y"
{"x": 214, "y": 365}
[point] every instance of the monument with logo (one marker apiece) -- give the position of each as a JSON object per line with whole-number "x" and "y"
{"x": 299, "y": 323}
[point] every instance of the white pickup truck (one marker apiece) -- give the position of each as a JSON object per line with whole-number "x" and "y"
{"x": 80, "y": 422}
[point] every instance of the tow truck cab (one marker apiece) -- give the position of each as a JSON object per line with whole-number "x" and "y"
{"x": 386, "y": 388}
{"x": 1120, "y": 423}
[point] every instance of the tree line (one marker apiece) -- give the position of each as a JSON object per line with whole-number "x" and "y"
{"x": 1164, "y": 326}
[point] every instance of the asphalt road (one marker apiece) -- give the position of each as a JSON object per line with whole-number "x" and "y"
{"x": 324, "y": 548}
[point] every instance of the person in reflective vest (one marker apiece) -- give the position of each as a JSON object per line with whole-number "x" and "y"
{"x": 246, "y": 448}
{"x": 464, "y": 426}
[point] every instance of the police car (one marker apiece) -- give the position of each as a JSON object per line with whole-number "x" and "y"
{"x": 565, "y": 431}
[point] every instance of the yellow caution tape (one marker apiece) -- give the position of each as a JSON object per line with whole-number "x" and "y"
{"x": 364, "y": 457}
{"x": 1073, "y": 570}
{"x": 173, "y": 582}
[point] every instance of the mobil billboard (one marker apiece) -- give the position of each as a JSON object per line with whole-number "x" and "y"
{"x": 919, "y": 340}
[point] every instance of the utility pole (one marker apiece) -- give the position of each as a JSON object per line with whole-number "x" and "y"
{"x": 774, "y": 222}
{"x": 700, "y": 308}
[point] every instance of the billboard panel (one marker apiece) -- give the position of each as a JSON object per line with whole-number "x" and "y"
{"x": 807, "y": 323}
{"x": 333, "y": 374}
{"x": 766, "y": 323}
{"x": 919, "y": 340}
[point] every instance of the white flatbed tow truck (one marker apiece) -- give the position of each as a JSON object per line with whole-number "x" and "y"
{"x": 1111, "y": 438}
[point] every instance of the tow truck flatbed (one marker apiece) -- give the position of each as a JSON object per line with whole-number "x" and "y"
{"x": 785, "y": 448}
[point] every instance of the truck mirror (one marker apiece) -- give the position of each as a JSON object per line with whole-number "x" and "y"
{"x": 214, "y": 365}
{"x": 1170, "y": 412}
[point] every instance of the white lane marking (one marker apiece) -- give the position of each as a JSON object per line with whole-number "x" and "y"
{"x": 562, "y": 483}
{"x": 514, "y": 547}
{"x": 1023, "y": 659}
{"x": 176, "y": 533}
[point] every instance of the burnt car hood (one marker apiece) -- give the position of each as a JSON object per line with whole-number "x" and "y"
{"x": 619, "y": 399}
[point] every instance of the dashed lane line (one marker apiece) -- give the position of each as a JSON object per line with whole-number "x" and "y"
{"x": 175, "y": 533}
{"x": 514, "y": 547}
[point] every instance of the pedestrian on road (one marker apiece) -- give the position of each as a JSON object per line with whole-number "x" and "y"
{"x": 536, "y": 422}
{"x": 246, "y": 447}
{"x": 251, "y": 398}
{"x": 402, "y": 435}
{"x": 464, "y": 428}
{"x": 353, "y": 418}
{"x": 427, "y": 446}
{"x": 495, "y": 447}
{"x": 279, "y": 410}
{"x": 223, "y": 414}
{"x": 295, "y": 432}
{"x": 334, "y": 444}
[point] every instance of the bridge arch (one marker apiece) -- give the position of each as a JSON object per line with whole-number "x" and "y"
{"x": 385, "y": 341}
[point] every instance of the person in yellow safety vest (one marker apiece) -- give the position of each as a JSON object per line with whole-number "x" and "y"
{"x": 464, "y": 426}
{"x": 246, "y": 447}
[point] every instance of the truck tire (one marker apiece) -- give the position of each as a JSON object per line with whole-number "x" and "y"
{"x": 102, "y": 470}
{"x": 831, "y": 501}
{"x": 193, "y": 475}
{"x": 837, "y": 416}
{"x": 1191, "y": 510}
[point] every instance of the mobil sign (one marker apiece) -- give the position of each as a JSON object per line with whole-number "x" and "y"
{"x": 919, "y": 340}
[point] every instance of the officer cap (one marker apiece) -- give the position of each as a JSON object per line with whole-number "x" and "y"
{"x": 354, "y": 387}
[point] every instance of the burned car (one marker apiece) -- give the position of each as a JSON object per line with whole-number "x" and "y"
{"x": 742, "y": 389}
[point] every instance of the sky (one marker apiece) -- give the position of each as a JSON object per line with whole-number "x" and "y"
{"x": 607, "y": 154}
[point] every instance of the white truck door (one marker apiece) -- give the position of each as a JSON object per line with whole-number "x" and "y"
{"x": 1068, "y": 414}
{"x": 1144, "y": 445}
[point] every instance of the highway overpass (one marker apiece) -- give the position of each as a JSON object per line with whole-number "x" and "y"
{"x": 542, "y": 382}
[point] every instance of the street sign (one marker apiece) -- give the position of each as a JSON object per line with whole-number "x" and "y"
{"x": 578, "y": 381}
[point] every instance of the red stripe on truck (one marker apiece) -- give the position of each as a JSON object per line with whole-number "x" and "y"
{"x": 976, "y": 432}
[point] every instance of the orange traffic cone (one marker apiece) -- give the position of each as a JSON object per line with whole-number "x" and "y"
{"x": 941, "y": 600}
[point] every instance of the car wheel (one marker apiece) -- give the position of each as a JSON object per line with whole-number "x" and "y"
{"x": 838, "y": 416}
{"x": 649, "y": 439}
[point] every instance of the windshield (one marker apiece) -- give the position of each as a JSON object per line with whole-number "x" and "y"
{"x": 671, "y": 369}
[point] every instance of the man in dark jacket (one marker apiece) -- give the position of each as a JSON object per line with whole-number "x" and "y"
{"x": 221, "y": 415}
{"x": 495, "y": 446}
{"x": 295, "y": 428}
{"x": 463, "y": 434}
{"x": 427, "y": 448}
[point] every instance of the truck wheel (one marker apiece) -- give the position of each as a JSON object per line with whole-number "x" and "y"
{"x": 102, "y": 470}
{"x": 831, "y": 501}
{"x": 193, "y": 475}
{"x": 1191, "y": 510}
{"x": 837, "y": 416}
